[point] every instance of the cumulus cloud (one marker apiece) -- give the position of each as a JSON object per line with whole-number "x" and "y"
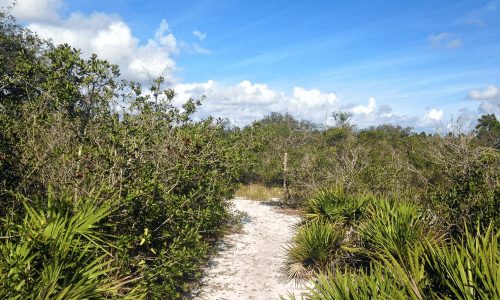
{"x": 103, "y": 34}
{"x": 373, "y": 115}
{"x": 490, "y": 99}
{"x": 166, "y": 38}
{"x": 200, "y": 35}
{"x": 435, "y": 115}
{"x": 444, "y": 40}
{"x": 246, "y": 101}
{"x": 34, "y": 10}
{"x": 112, "y": 39}
{"x": 366, "y": 110}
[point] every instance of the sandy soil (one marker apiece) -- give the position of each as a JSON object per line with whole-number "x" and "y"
{"x": 248, "y": 262}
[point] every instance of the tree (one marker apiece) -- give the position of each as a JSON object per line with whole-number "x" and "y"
{"x": 488, "y": 130}
{"x": 342, "y": 119}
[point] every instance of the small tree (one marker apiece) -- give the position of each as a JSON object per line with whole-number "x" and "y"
{"x": 342, "y": 119}
{"x": 488, "y": 130}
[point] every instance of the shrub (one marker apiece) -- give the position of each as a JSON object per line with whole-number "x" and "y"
{"x": 57, "y": 254}
{"x": 313, "y": 249}
{"x": 394, "y": 227}
{"x": 468, "y": 191}
{"x": 467, "y": 268}
{"x": 407, "y": 257}
{"x": 378, "y": 283}
{"x": 70, "y": 124}
{"x": 337, "y": 206}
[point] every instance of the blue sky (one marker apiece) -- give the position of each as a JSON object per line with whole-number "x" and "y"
{"x": 421, "y": 62}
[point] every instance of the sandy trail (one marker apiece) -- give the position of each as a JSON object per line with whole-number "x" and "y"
{"x": 247, "y": 265}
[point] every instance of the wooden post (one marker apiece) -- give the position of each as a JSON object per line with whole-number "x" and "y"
{"x": 285, "y": 167}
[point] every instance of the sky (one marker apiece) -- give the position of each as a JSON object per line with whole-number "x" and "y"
{"x": 422, "y": 64}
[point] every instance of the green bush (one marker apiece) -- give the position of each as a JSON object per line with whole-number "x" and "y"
{"x": 313, "y": 249}
{"x": 70, "y": 125}
{"x": 376, "y": 284}
{"x": 405, "y": 254}
{"x": 467, "y": 268}
{"x": 57, "y": 254}
{"x": 336, "y": 206}
{"x": 395, "y": 227}
{"x": 468, "y": 192}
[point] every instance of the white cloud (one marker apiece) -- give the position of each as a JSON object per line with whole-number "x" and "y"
{"x": 166, "y": 38}
{"x": 247, "y": 101}
{"x": 112, "y": 39}
{"x": 200, "y": 35}
{"x": 488, "y": 93}
{"x": 312, "y": 98}
{"x": 196, "y": 48}
{"x": 313, "y": 104}
{"x": 360, "y": 109}
{"x": 34, "y": 10}
{"x": 435, "y": 114}
{"x": 454, "y": 43}
{"x": 444, "y": 40}
{"x": 371, "y": 115}
{"x": 490, "y": 99}
{"x": 103, "y": 34}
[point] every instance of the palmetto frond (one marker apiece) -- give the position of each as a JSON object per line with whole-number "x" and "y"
{"x": 337, "y": 206}
{"x": 57, "y": 254}
{"x": 312, "y": 249}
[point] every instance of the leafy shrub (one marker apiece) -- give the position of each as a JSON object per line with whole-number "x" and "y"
{"x": 468, "y": 191}
{"x": 407, "y": 256}
{"x": 453, "y": 175}
{"x": 70, "y": 124}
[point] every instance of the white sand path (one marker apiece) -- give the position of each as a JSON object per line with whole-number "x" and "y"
{"x": 247, "y": 264}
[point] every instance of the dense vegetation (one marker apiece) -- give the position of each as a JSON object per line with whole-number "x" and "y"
{"x": 367, "y": 247}
{"x": 106, "y": 190}
{"x": 389, "y": 213}
{"x": 109, "y": 190}
{"x": 455, "y": 175}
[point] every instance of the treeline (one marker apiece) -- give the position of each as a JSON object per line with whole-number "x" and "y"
{"x": 106, "y": 189}
{"x": 454, "y": 174}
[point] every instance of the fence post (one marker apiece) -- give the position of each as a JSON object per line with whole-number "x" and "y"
{"x": 285, "y": 168}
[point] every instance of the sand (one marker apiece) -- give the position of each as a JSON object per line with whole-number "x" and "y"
{"x": 248, "y": 262}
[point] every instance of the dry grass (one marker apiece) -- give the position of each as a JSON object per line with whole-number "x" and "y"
{"x": 259, "y": 192}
